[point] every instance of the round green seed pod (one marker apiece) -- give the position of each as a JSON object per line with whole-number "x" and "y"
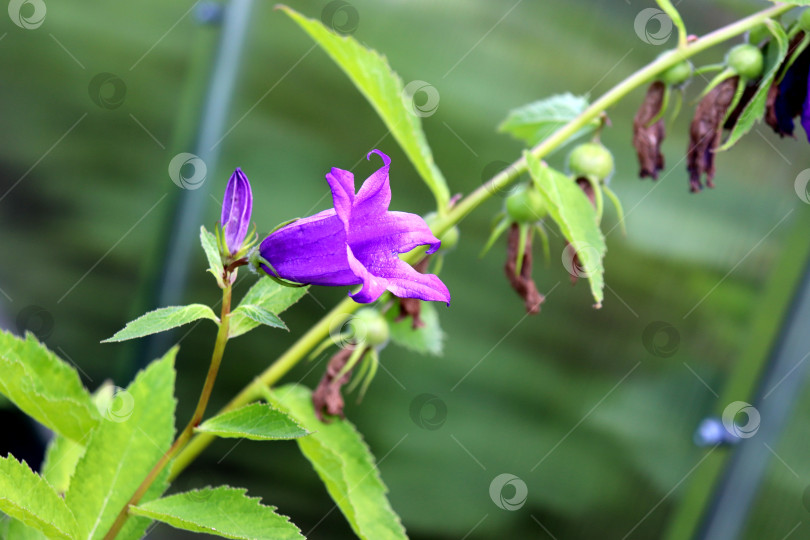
{"x": 746, "y": 60}
{"x": 369, "y": 327}
{"x": 678, "y": 74}
{"x": 526, "y": 205}
{"x": 591, "y": 160}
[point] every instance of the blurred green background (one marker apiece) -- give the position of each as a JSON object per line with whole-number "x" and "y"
{"x": 570, "y": 401}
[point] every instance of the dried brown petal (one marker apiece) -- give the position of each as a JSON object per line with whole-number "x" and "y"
{"x": 587, "y": 187}
{"x": 786, "y": 100}
{"x": 706, "y": 131}
{"x": 522, "y": 283}
{"x": 647, "y": 138}
{"x": 412, "y": 307}
{"x": 327, "y": 397}
{"x": 770, "y": 111}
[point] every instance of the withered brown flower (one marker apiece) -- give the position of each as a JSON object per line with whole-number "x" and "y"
{"x": 647, "y": 137}
{"x": 327, "y": 397}
{"x": 522, "y": 281}
{"x": 705, "y": 132}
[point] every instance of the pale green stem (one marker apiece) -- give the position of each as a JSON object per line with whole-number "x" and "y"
{"x": 320, "y": 331}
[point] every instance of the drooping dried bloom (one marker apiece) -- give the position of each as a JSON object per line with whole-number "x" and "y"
{"x": 356, "y": 242}
{"x": 791, "y": 98}
{"x": 706, "y": 131}
{"x": 522, "y": 281}
{"x": 327, "y": 397}
{"x": 236, "y": 209}
{"x": 647, "y": 138}
{"x": 412, "y": 307}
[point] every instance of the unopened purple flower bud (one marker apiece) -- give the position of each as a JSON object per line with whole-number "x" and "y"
{"x": 236, "y": 209}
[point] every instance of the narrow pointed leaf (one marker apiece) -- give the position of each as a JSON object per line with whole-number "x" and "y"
{"x": 427, "y": 339}
{"x": 209, "y": 245}
{"x": 163, "y": 319}
{"x": 534, "y": 122}
{"x": 267, "y": 295}
{"x": 755, "y": 109}
{"x": 371, "y": 74}
{"x": 259, "y": 315}
{"x": 224, "y": 511}
{"x": 257, "y": 421}
{"x": 44, "y": 387}
{"x": 572, "y": 212}
{"x": 345, "y": 465}
{"x": 27, "y": 497}
{"x": 123, "y": 449}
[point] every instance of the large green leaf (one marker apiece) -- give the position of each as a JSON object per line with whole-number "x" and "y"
{"x": 163, "y": 319}
{"x": 45, "y": 387}
{"x": 755, "y": 108}
{"x": 343, "y": 461}
{"x": 257, "y": 421}
{"x": 61, "y": 458}
{"x": 427, "y": 339}
{"x": 26, "y": 496}
{"x": 222, "y": 511}
{"x": 570, "y": 208}
{"x": 371, "y": 74}
{"x": 209, "y": 245}
{"x": 259, "y": 315}
{"x": 123, "y": 449}
{"x": 268, "y": 296}
{"x": 534, "y": 122}
{"x": 17, "y": 530}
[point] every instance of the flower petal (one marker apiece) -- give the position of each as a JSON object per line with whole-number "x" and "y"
{"x": 373, "y": 286}
{"x": 310, "y": 250}
{"x": 342, "y": 185}
{"x": 375, "y": 193}
{"x": 405, "y": 282}
{"x": 236, "y": 209}
{"x": 391, "y": 232}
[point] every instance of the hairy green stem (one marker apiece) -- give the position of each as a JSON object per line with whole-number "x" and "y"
{"x": 320, "y": 331}
{"x": 187, "y": 433}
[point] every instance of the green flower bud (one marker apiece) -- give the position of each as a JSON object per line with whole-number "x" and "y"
{"x": 369, "y": 327}
{"x": 678, "y": 74}
{"x": 526, "y": 204}
{"x": 746, "y": 60}
{"x": 591, "y": 160}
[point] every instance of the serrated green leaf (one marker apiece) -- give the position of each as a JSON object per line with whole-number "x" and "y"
{"x": 163, "y": 319}
{"x": 17, "y": 530}
{"x": 267, "y": 295}
{"x": 211, "y": 249}
{"x": 44, "y": 387}
{"x": 257, "y": 421}
{"x": 534, "y": 122}
{"x": 371, "y": 74}
{"x": 136, "y": 526}
{"x": 27, "y": 497}
{"x": 123, "y": 449}
{"x": 755, "y": 108}
{"x": 259, "y": 315}
{"x": 224, "y": 511}
{"x": 571, "y": 210}
{"x": 427, "y": 339}
{"x": 345, "y": 465}
{"x": 60, "y": 462}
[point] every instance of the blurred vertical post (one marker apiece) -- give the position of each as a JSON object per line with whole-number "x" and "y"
{"x": 200, "y": 127}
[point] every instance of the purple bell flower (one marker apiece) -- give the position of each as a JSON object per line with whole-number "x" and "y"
{"x": 236, "y": 208}
{"x": 356, "y": 242}
{"x": 791, "y": 97}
